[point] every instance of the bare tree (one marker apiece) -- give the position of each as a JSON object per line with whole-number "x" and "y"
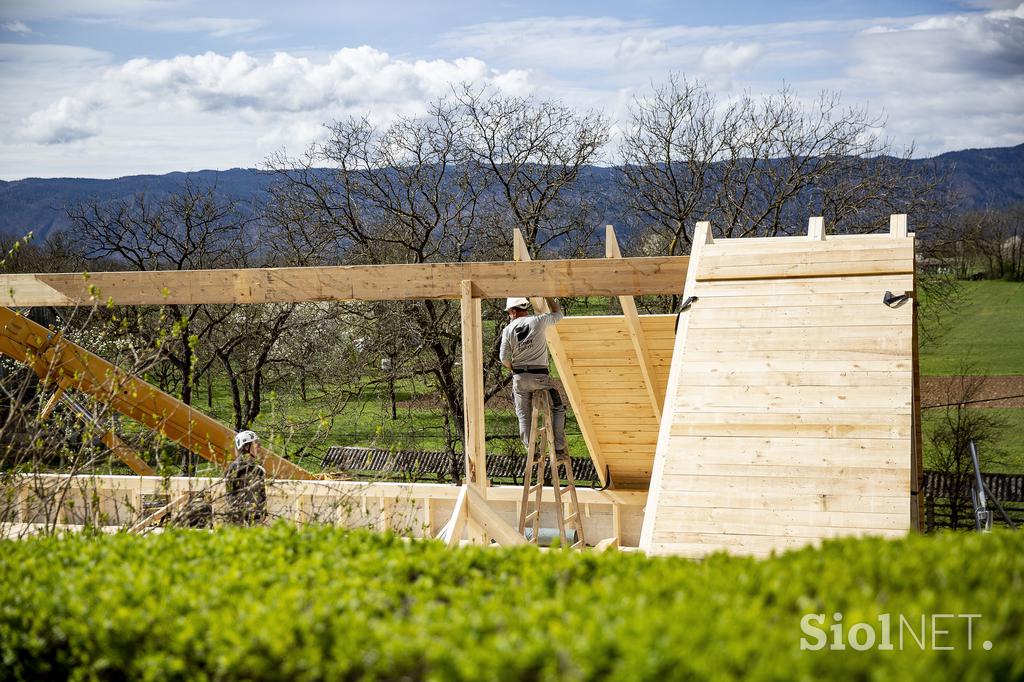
{"x": 956, "y": 423}
{"x": 533, "y": 151}
{"x": 759, "y": 166}
{"x": 191, "y": 230}
{"x": 431, "y": 189}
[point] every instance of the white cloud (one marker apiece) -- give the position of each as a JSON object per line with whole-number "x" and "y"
{"x": 16, "y": 27}
{"x": 730, "y": 57}
{"x": 948, "y": 81}
{"x": 639, "y": 48}
{"x": 66, "y": 120}
{"x": 266, "y": 92}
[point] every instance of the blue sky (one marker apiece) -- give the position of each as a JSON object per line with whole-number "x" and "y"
{"x": 102, "y": 88}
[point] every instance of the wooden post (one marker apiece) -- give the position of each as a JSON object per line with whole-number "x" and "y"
{"x": 473, "y": 388}
{"x": 636, "y": 332}
{"x": 816, "y": 228}
{"x": 898, "y": 227}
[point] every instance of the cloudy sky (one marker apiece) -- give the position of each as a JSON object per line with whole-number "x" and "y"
{"x": 103, "y": 88}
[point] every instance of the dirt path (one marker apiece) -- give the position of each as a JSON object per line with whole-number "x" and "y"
{"x": 941, "y": 390}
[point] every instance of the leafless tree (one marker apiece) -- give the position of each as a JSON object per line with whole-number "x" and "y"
{"x": 190, "y": 230}
{"x": 956, "y": 423}
{"x": 431, "y": 189}
{"x": 532, "y": 151}
{"x": 759, "y": 166}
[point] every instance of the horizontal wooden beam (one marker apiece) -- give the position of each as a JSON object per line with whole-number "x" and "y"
{"x": 548, "y": 278}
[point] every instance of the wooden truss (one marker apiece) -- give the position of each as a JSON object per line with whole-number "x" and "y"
{"x": 779, "y": 408}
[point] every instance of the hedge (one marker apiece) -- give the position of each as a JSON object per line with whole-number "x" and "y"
{"x": 303, "y": 603}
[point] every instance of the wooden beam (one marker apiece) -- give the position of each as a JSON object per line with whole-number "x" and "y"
{"x": 636, "y": 333}
{"x": 55, "y": 359}
{"x": 490, "y": 521}
{"x": 51, "y": 403}
{"x": 160, "y": 513}
{"x": 917, "y": 443}
{"x": 565, "y": 371}
{"x": 474, "y": 443}
{"x": 590, "y": 277}
{"x": 702, "y": 236}
{"x": 124, "y": 453}
{"x": 451, "y": 534}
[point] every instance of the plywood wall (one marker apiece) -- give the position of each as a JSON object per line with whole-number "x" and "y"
{"x": 789, "y": 414}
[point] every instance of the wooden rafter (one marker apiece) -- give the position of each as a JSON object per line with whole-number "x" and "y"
{"x": 591, "y": 277}
{"x": 57, "y": 360}
{"x": 565, "y": 370}
{"x": 636, "y": 332}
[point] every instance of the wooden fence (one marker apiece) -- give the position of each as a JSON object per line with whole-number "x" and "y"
{"x": 947, "y": 499}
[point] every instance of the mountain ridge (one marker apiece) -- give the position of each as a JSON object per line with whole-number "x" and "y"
{"x": 985, "y": 178}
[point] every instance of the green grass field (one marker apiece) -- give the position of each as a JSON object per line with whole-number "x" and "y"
{"x": 986, "y": 330}
{"x": 984, "y": 333}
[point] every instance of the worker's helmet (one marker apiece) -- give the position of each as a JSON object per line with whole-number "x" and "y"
{"x": 243, "y": 438}
{"x": 516, "y": 302}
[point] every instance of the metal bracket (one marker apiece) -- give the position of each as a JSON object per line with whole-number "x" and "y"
{"x": 683, "y": 307}
{"x": 894, "y": 301}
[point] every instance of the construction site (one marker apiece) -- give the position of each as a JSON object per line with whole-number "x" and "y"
{"x": 777, "y": 408}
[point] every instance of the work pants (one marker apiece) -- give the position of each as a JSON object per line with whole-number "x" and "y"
{"x": 523, "y": 388}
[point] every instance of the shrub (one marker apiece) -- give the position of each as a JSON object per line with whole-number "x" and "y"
{"x": 315, "y": 602}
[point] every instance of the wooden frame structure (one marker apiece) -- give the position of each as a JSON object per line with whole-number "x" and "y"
{"x": 777, "y": 375}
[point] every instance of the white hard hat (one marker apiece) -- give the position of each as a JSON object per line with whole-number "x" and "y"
{"x": 243, "y": 438}
{"x": 516, "y": 302}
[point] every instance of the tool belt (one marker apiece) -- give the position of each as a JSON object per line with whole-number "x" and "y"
{"x": 529, "y": 370}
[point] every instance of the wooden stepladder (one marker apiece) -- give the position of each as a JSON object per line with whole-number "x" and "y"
{"x": 541, "y": 449}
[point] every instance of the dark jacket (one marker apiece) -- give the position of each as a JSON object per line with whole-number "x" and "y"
{"x": 246, "y": 483}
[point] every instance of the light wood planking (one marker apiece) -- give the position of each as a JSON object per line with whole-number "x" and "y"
{"x": 611, "y": 387}
{"x": 566, "y": 371}
{"x": 789, "y": 415}
{"x": 636, "y": 333}
{"x": 592, "y": 277}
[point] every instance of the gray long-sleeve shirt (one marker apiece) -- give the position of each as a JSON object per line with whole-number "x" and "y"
{"x": 523, "y": 342}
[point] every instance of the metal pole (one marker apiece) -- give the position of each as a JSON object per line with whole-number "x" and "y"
{"x": 982, "y": 516}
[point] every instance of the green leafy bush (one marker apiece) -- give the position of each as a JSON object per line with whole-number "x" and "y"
{"x": 316, "y": 602}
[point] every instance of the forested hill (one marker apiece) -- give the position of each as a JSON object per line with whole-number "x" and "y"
{"x": 992, "y": 178}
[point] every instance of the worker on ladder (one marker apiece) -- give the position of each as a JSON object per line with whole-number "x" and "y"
{"x": 524, "y": 350}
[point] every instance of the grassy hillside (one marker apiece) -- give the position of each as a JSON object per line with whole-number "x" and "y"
{"x": 318, "y": 603}
{"x": 986, "y": 330}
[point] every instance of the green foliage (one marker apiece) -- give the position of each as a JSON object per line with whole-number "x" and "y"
{"x": 319, "y": 603}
